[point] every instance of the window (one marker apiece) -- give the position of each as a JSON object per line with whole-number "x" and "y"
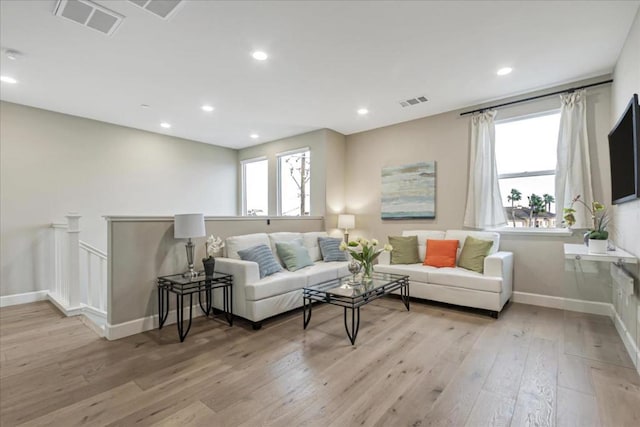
{"x": 255, "y": 187}
{"x": 526, "y": 162}
{"x": 294, "y": 179}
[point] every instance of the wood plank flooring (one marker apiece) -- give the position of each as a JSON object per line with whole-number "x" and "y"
{"x": 432, "y": 366}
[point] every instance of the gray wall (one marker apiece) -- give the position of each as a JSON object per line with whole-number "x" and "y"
{"x": 445, "y": 139}
{"x": 626, "y": 216}
{"x": 54, "y": 163}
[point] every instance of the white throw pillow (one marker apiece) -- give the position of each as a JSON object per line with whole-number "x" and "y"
{"x": 234, "y": 244}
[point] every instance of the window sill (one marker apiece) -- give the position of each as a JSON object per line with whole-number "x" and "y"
{"x": 551, "y": 232}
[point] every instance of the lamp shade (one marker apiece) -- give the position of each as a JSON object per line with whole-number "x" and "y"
{"x": 346, "y": 222}
{"x": 188, "y": 225}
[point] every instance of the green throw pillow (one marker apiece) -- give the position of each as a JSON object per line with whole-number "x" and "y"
{"x": 473, "y": 254}
{"x": 294, "y": 255}
{"x": 405, "y": 250}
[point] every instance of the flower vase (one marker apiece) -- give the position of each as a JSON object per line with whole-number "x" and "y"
{"x": 598, "y": 246}
{"x": 209, "y": 265}
{"x": 367, "y": 271}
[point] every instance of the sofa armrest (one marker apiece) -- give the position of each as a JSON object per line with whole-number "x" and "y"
{"x": 244, "y": 273}
{"x": 500, "y": 264}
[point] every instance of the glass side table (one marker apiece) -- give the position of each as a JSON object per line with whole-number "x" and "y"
{"x": 203, "y": 286}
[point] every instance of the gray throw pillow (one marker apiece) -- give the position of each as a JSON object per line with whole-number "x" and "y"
{"x": 330, "y": 249}
{"x": 261, "y": 254}
{"x": 294, "y": 255}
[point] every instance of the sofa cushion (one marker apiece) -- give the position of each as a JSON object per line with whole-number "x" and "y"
{"x": 276, "y": 284}
{"x": 330, "y": 248}
{"x": 294, "y": 255}
{"x": 310, "y": 240}
{"x": 416, "y": 272}
{"x": 405, "y": 249}
{"x": 235, "y": 243}
{"x": 473, "y": 254}
{"x": 460, "y": 235}
{"x": 261, "y": 254}
{"x": 321, "y": 272}
{"x": 441, "y": 253}
{"x": 422, "y": 236}
{"x": 460, "y": 278}
{"x": 283, "y": 236}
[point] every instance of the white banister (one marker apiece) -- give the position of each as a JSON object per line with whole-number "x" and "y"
{"x": 79, "y": 274}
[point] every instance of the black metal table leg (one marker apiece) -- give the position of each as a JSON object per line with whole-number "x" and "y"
{"x": 355, "y": 323}
{"x": 206, "y": 308}
{"x": 404, "y": 294}
{"x": 180, "y": 315}
{"x": 163, "y": 305}
{"x": 306, "y": 318}
{"x": 228, "y": 310}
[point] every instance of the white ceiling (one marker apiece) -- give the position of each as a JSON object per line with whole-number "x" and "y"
{"x": 327, "y": 59}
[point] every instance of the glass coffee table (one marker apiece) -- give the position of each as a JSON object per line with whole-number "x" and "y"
{"x": 344, "y": 293}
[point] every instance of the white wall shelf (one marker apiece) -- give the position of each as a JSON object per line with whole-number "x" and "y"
{"x": 577, "y": 251}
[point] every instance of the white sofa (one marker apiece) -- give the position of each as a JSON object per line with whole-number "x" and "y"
{"x": 489, "y": 290}
{"x": 256, "y": 299}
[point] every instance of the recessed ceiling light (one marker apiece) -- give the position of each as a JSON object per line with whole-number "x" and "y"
{"x": 259, "y": 55}
{"x": 207, "y": 108}
{"x": 504, "y": 71}
{"x": 7, "y": 79}
{"x": 254, "y": 136}
{"x": 145, "y": 106}
{"x": 165, "y": 125}
{"x": 363, "y": 111}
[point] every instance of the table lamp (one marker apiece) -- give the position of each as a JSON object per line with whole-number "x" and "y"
{"x": 186, "y": 226}
{"x": 346, "y": 222}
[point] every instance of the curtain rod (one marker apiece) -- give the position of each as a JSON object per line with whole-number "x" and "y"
{"x": 573, "y": 89}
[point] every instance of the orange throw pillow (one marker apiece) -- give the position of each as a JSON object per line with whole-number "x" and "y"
{"x": 441, "y": 253}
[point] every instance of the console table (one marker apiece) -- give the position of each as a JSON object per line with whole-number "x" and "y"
{"x": 201, "y": 284}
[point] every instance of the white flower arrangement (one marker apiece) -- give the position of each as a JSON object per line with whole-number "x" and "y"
{"x": 214, "y": 245}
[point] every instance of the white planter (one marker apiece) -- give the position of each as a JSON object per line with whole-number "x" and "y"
{"x": 597, "y": 246}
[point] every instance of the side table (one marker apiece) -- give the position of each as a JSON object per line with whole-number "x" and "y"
{"x": 201, "y": 284}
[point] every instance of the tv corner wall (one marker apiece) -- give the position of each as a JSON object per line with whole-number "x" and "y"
{"x": 52, "y": 164}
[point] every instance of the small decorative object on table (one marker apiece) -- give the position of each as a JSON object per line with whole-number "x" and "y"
{"x": 597, "y": 237}
{"x": 365, "y": 252}
{"x": 214, "y": 245}
{"x": 354, "y": 268}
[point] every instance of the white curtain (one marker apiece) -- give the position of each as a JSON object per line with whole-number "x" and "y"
{"x": 573, "y": 170}
{"x": 484, "y": 203}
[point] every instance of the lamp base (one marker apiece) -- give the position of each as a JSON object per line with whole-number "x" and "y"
{"x": 191, "y": 274}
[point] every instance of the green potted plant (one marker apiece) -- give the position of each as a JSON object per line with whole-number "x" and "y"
{"x": 596, "y": 237}
{"x": 213, "y": 246}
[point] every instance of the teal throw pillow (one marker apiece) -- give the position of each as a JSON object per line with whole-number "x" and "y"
{"x": 330, "y": 249}
{"x": 294, "y": 255}
{"x": 262, "y": 255}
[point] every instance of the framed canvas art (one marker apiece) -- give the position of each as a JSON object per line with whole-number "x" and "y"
{"x": 409, "y": 191}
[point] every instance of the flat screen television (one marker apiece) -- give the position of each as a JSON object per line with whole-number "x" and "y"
{"x": 624, "y": 155}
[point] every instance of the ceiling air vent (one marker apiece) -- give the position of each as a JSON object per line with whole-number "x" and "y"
{"x": 162, "y": 8}
{"x": 413, "y": 101}
{"x": 89, "y": 14}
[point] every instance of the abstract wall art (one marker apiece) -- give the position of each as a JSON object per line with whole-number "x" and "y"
{"x": 409, "y": 191}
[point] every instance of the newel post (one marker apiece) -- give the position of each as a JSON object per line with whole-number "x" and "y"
{"x": 73, "y": 248}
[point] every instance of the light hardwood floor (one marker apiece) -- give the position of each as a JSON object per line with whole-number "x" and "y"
{"x": 430, "y": 366}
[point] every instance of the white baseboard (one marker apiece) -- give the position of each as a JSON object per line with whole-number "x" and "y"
{"x": 627, "y": 339}
{"x": 591, "y": 307}
{"x": 27, "y": 297}
{"x": 137, "y": 326}
{"x": 60, "y": 305}
{"x": 582, "y": 306}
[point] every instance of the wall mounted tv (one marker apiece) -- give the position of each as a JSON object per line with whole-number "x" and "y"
{"x": 624, "y": 155}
